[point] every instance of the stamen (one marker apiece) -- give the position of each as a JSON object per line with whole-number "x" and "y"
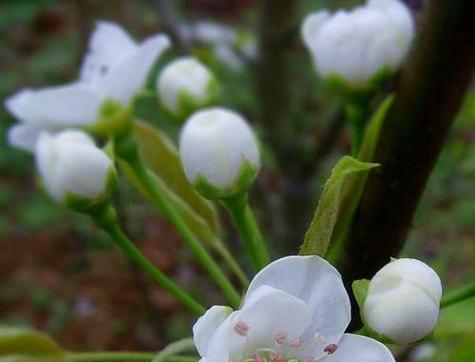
{"x": 280, "y": 337}
{"x": 256, "y": 357}
{"x": 241, "y": 328}
{"x": 331, "y": 348}
{"x": 320, "y": 339}
{"x": 309, "y": 359}
{"x": 296, "y": 343}
{"x": 276, "y": 357}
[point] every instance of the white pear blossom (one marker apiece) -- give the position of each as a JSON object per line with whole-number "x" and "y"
{"x": 114, "y": 69}
{"x": 295, "y": 310}
{"x": 73, "y": 168}
{"x": 219, "y": 152}
{"x": 403, "y": 301}
{"x": 185, "y": 85}
{"x": 358, "y": 46}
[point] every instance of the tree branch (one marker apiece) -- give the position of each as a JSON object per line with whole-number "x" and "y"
{"x": 428, "y": 96}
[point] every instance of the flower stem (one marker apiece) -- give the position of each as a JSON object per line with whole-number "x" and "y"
{"x": 249, "y": 229}
{"x": 123, "y": 357}
{"x": 230, "y": 261}
{"x": 106, "y": 219}
{"x": 458, "y": 295}
{"x": 174, "y": 349}
{"x": 161, "y": 199}
{"x": 356, "y": 113}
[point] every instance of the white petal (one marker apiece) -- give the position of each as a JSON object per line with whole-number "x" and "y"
{"x": 59, "y": 106}
{"x": 23, "y": 136}
{"x": 207, "y": 324}
{"x": 358, "y": 348}
{"x": 267, "y": 312}
{"x": 312, "y": 25}
{"x": 318, "y": 284}
{"x": 124, "y": 80}
{"x": 108, "y": 45}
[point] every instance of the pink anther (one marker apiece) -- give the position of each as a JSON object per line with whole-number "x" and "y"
{"x": 241, "y": 328}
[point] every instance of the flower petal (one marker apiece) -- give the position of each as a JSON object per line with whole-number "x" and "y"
{"x": 358, "y": 348}
{"x": 314, "y": 281}
{"x": 23, "y": 136}
{"x": 55, "y": 107}
{"x": 127, "y": 78}
{"x": 108, "y": 45}
{"x": 311, "y": 25}
{"x": 267, "y": 312}
{"x": 207, "y": 324}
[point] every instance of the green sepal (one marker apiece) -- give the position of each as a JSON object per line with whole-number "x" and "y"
{"x": 23, "y": 345}
{"x": 188, "y": 103}
{"x": 245, "y": 177}
{"x": 86, "y": 205}
{"x": 358, "y": 91}
{"x": 319, "y": 234}
{"x": 360, "y": 290}
{"x": 114, "y": 119}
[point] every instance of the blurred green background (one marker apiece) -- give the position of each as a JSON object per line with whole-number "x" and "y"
{"x": 60, "y": 275}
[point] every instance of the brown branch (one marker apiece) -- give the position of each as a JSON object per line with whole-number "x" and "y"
{"x": 428, "y": 96}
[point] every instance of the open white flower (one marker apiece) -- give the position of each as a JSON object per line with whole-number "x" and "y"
{"x": 73, "y": 169}
{"x": 219, "y": 152}
{"x": 186, "y": 85}
{"x": 403, "y": 301}
{"x": 114, "y": 69}
{"x": 358, "y": 46}
{"x": 296, "y": 309}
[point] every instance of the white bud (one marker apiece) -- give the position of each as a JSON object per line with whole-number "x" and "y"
{"x": 185, "y": 85}
{"x": 219, "y": 152}
{"x": 403, "y": 301}
{"x": 74, "y": 170}
{"x": 359, "y": 47}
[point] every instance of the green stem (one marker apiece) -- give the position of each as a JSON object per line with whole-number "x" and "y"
{"x": 123, "y": 357}
{"x": 174, "y": 349}
{"x": 356, "y": 113}
{"x": 458, "y": 295}
{"x": 110, "y": 357}
{"x": 162, "y": 200}
{"x": 106, "y": 219}
{"x": 230, "y": 261}
{"x": 249, "y": 229}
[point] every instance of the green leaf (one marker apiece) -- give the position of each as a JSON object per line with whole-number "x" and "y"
{"x": 355, "y": 184}
{"x": 360, "y": 290}
{"x": 162, "y": 158}
{"x": 23, "y": 345}
{"x": 319, "y": 234}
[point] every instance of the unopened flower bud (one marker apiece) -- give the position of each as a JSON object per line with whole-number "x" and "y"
{"x": 75, "y": 172}
{"x": 358, "y": 48}
{"x": 186, "y": 85}
{"x": 403, "y": 301}
{"x": 219, "y": 153}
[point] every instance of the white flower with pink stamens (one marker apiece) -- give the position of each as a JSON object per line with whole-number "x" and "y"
{"x": 295, "y": 310}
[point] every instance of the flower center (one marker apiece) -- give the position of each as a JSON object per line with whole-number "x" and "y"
{"x": 283, "y": 348}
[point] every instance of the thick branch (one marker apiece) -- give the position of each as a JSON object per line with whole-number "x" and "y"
{"x": 429, "y": 94}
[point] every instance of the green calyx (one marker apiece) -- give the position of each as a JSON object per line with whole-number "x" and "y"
{"x": 245, "y": 177}
{"x": 114, "y": 119}
{"x": 189, "y": 103}
{"x": 362, "y": 90}
{"x": 88, "y": 205}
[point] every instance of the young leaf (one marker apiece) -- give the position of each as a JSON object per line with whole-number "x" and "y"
{"x": 319, "y": 233}
{"x": 23, "y": 345}
{"x": 354, "y": 188}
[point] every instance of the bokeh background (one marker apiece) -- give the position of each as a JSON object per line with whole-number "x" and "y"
{"x": 62, "y": 276}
